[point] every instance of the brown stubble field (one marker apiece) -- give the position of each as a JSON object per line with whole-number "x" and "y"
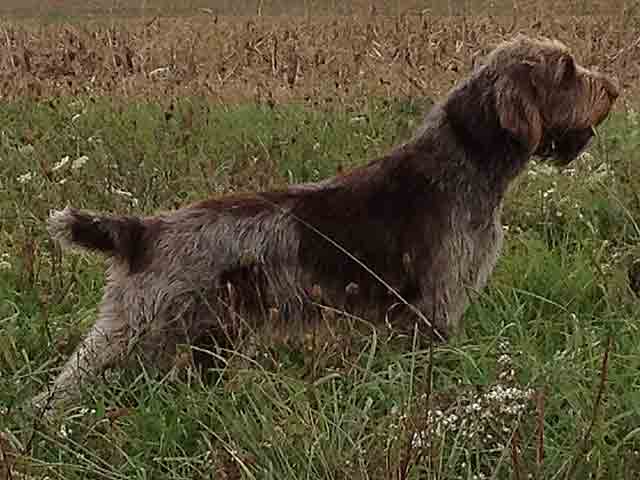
{"x": 279, "y": 58}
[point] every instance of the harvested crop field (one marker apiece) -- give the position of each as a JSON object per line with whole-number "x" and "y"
{"x": 139, "y": 106}
{"x": 281, "y": 59}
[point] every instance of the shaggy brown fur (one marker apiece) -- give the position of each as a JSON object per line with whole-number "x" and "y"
{"x": 402, "y": 239}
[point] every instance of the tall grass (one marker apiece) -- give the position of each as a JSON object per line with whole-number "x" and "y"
{"x": 524, "y": 391}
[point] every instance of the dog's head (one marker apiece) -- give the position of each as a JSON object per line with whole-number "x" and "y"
{"x": 545, "y": 99}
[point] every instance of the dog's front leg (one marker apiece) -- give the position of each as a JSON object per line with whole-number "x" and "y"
{"x": 441, "y": 300}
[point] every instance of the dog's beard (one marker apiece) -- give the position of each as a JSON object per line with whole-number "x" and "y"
{"x": 562, "y": 148}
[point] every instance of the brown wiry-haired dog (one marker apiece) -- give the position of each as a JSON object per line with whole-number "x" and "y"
{"x": 421, "y": 224}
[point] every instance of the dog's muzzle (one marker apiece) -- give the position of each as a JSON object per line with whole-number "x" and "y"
{"x": 564, "y": 147}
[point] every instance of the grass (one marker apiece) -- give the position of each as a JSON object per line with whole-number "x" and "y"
{"x": 525, "y": 390}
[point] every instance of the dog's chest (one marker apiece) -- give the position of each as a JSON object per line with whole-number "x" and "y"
{"x": 477, "y": 248}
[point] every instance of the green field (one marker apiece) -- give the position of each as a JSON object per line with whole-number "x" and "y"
{"x": 557, "y": 298}
{"x": 542, "y": 384}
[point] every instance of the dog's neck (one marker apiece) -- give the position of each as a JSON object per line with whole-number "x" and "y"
{"x": 449, "y": 153}
{"x": 469, "y": 115}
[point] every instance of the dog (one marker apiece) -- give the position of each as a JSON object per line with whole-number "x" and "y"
{"x": 406, "y": 240}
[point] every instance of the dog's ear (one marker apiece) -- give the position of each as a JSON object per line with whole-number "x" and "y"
{"x": 516, "y": 107}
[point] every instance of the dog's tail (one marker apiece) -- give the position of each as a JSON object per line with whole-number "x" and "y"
{"x": 116, "y": 236}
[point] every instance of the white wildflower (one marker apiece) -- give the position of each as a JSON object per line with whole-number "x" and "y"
{"x": 79, "y": 162}
{"x": 602, "y": 171}
{"x": 585, "y": 157}
{"x": 513, "y": 409}
{"x": 26, "y": 149}
{"x": 504, "y": 358}
{"x": 121, "y": 192}
{"x": 544, "y": 169}
{"x": 63, "y": 161}
{"x": 65, "y": 431}
{"x": 26, "y": 177}
{"x": 419, "y": 439}
{"x": 124, "y": 193}
{"x": 5, "y": 264}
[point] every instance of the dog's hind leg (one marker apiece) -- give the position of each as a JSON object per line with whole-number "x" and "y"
{"x": 105, "y": 345}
